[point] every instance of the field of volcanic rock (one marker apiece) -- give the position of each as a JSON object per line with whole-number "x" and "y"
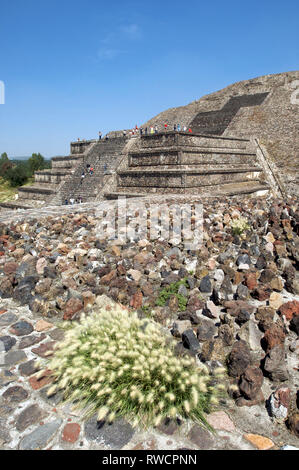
{"x": 233, "y": 302}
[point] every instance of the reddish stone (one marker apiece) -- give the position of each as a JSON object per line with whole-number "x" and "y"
{"x": 45, "y": 380}
{"x": 250, "y": 280}
{"x": 44, "y": 349}
{"x": 71, "y": 432}
{"x": 121, "y": 270}
{"x": 262, "y": 293}
{"x": 10, "y": 268}
{"x": 136, "y": 300}
{"x": 290, "y": 309}
{"x": 3, "y": 311}
{"x": 274, "y": 336}
{"x": 108, "y": 277}
{"x": 72, "y": 306}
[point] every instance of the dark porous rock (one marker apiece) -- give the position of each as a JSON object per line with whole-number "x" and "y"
{"x": 264, "y": 316}
{"x": 261, "y": 293}
{"x": 242, "y": 401}
{"x": 6, "y": 288}
{"x": 6, "y": 343}
{"x": 261, "y": 263}
{"x": 226, "y": 333}
{"x": 267, "y": 275}
{"x": 114, "y": 436}
{"x": 15, "y": 394}
{"x": 21, "y": 328}
{"x": 206, "y": 330}
{"x": 274, "y": 365}
{"x": 293, "y": 423}
{"x": 251, "y": 382}
{"x": 205, "y": 285}
{"x": 239, "y": 358}
{"x": 194, "y": 303}
{"x": 226, "y": 286}
{"x": 242, "y": 317}
{"x": 31, "y": 415}
{"x": 189, "y": 316}
{"x": 234, "y": 307}
{"x": 243, "y": 259}
{"x": 294, "y": 324}
{"x": 190, "y": 341}
{"x": 242, "y": 292}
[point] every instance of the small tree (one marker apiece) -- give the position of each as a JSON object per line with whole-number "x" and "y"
{"x": 17, "y": 175}
{"x": 36, "y": 162}
{"x": 3, "y": 157}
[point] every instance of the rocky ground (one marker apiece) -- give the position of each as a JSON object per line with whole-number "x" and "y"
{"x": 234, "y": 301}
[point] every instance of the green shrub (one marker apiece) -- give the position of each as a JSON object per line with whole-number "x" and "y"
{"x": 115, "y": 364}
{"x": 172, "y": 289}
{"x": 17, "y": 175}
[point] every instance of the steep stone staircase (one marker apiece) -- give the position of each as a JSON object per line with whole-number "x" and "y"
{"x": 184, "y": 163}
{"x": 104, "y": 159}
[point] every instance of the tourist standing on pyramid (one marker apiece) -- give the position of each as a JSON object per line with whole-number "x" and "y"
{"x": 100, "y": 135}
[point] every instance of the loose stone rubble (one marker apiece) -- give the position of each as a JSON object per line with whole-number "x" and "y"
{"x": 236, "y": 305}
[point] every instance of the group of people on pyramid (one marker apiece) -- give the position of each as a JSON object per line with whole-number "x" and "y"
{"x": 154, "y": 129}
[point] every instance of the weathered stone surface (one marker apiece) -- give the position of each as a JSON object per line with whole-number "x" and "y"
{"x": 239, "y": 358}
{"x": 274, "y": 336}
{"x": 27, "y": 368}
{"x": 114, "y": 436}
{"x": 251, "y": 382}
{"x": 219, "y": 420}
{"x": 6, "y": 343}
{"x": 206, "y": 330}
{"x": 293, "y": 423}
{"x": 29, "y": 416}
{"x": 201, "y": 438}
{"x": 14, "y": 357}
{"x": 21, "y": 328}
{"x": 7, "y": 318}
{"x": 275, "y": 365}
{"x": 15, "y": 394}
{"x": 40, "y": 437}
{"x": 45, "y": 349}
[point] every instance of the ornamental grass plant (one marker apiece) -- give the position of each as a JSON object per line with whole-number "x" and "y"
{"x": 115, "y": 364}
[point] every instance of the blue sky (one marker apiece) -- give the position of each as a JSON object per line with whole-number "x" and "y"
{"x": 72, "y": 68}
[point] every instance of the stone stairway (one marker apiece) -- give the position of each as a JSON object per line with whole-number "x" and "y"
{"x": 103, "y": 158}
{"x": 183, "y": 163}
{"x": 48, "y": 182}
